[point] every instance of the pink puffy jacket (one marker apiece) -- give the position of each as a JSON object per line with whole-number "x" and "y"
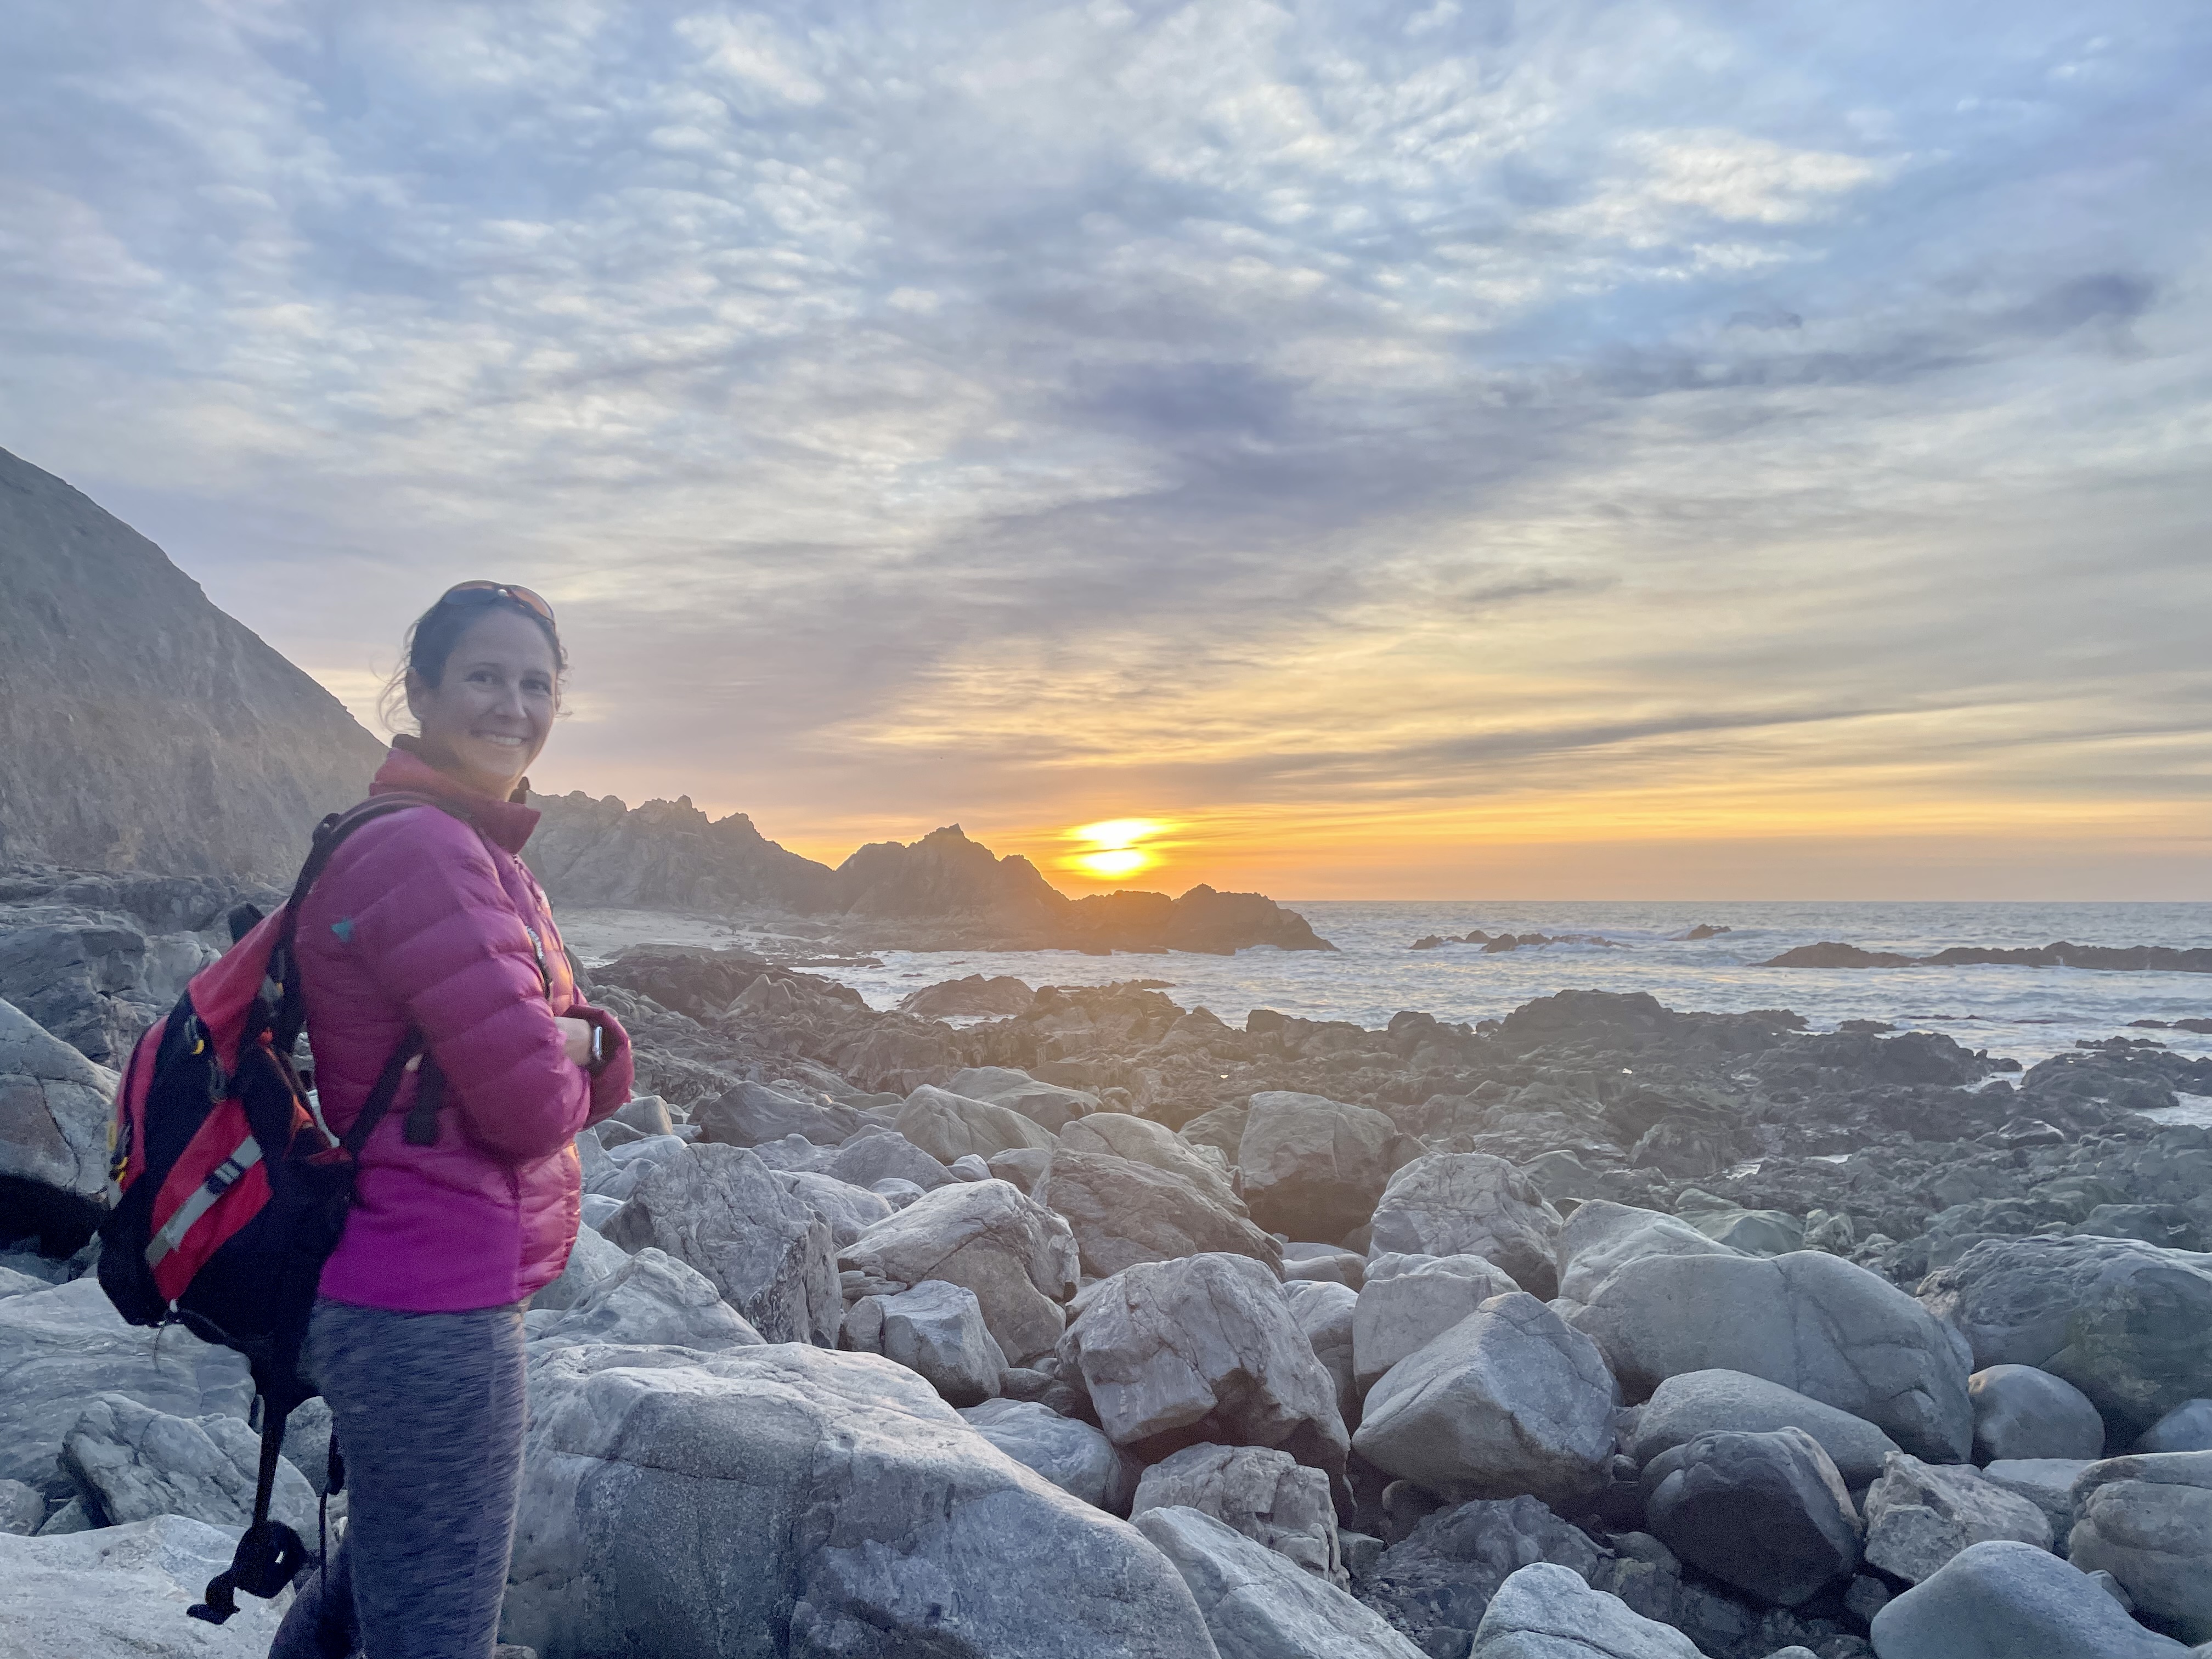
{"x": 426, "y": 921}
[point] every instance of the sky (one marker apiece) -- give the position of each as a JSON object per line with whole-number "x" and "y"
{"x": 1599, "y": 448}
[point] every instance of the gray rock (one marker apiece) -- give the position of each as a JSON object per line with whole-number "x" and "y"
{"x": 1123, "y": 1212}
{"x": 1471, "y": 1204}
{"x": 2187, "y": 1427}
{"x": 832, "y": 1496}
{"x": 1046, "y": 1104}
{"x": 885, "y": 1155}
{"x": 767, "y": 1254}
{"x": 1408, "y": 1300}
{"x": 1600, "y": 1237}
{"x": 1699, "y": 1402}
{"x": 849, "y": 1209}
{"x": 2005, "y": 1600}
{"x": 1810, "y": 1322}
{"x": 1754, "y": 1232}
{"x": 2022, "y": 1413}
{"x": 949, "y": 1127}
{"x": 132, "y": 1463}
{"x": 1546, "y": 1612}
{"x": 308, "y": 1441}
{"x": 1065, "y": 1450}
{"x": 591, "y": 1258}
{"x": 2045, "y": 1482}
{"x": 1024, "y": 1166}
{"x": 1324, "y": 1264}
{"x": 751, "y": 1113}
{"x": 1436, "y": 1580}
{"x": 1257, "y": 1605}
{"x": 2127, "y": 1323}
{"x": 23, "y": 1508}
{"x": 76, "y": 1515}
{"x": 1325, "y": 1313}
{"x": 55, "y": 1107}
{"x": 1203, "y": 1349}
{"x": 1147, "y": 1142}
{"x": 971, "y": 1166}
{"x": 647, "y": 1114}
{"x": 1766, "y": 1513}
{"x": 897, "y": 1192}
{"x": 936, "y": 1330}
{"x": 13, "y": 1283}
{"x": 60, "y": 1346}
{"x": 652, "y": 1298}
{"x": 1314, "y": 1167}
{"x": 1018, "y": 1257}
{"x": 121, "y": 1592}
{"x": 1918, "y": 1515}
{"x": 1511, "y": 1399}
{"x": 2148, "y": 1521}
{"x": 1268, "y": 1495}
{"x": 598, "y": 1209}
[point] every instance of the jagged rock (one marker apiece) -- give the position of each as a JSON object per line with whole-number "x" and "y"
{"x": 1174, "y": 1354}
{"x": 751, "y": 1113}
{"x": 2127, "y": 1323}
{"x": 22, "y": 1509}
{"x": 1046, "y": 1104}
{"x": 1325, "y": 1313}
{"x": 769, "y": 1254}
{"x": 1147, "y": 1142}
{"x": 591, "y": 1258}
{"x": 651, "y": 1297}
{"x": 1766, "y": 1513}
{"x": 1601, "y": 1237}
{"x": 1436, "y": 1583}
{"x": 647, "y": 1114}
{"x": 1407, "y": 1300}
{"x": 1546, "y": 1612}
{"x": 830, "y": 1496}
{"x": 2148, "y": 1521}
{"x": 2045, "y": 1482}
{"x": 13, "y": 1283}
{"x": 60, "y": 1346}
{"x": 1024, "y": 1166}
{"x": 1314, "y": 1167}
{"x": 1123, "y": 1212}
{"x": 2187, "y": 1427}
{"x": 1258, "y": 1605}
{"x": 949, "y": 1127}
{"x": 886, "y": 1155}
{"x": 131, "y": 1462}
{"x": 121, "y": 1592}
{"x": 1700, "y": 1402}
{"x": 935, "y": 1330}
{"x": 1812, "y": 1322}
{"x": 2005, "y": 1600}
{"x": 1018, "y": 1258}
{"x": 1511, "y": 1399}
{"x": 849, "y": 1209}
{"x": 2021, "y": 1412}
{"x": 55, "y": 1106}
{"x": 1918, "y": 1515}
{"x": 1067, "y": 1451}
{"x": 1268, "y": 1495}
{"x": 1471, "y": 1204}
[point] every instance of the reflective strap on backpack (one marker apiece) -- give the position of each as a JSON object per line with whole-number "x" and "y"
{"x": 219, "y": 1182}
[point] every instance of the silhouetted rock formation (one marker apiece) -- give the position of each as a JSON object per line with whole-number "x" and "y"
{"x": 141, "y": 727}
{"x": 2105, "y": 958}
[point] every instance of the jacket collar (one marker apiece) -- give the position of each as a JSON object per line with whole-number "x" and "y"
{"x": 506, "y": 822}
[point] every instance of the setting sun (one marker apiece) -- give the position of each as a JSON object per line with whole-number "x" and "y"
{"x": 1114, "y": 850}
{"x": 1115, "y": 861}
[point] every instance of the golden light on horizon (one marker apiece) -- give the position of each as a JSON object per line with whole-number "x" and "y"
{"x": 1115, "y": 850}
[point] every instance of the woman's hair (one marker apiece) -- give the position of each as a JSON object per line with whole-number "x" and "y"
{"x": 433, "y": 635}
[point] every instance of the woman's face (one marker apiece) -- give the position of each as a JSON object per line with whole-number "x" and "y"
{"x": 487, "y": 717}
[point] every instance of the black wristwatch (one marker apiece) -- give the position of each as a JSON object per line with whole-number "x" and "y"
{"x": 597, "y": 1061}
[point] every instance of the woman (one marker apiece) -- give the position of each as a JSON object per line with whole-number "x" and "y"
{"x": 426, "y": 921}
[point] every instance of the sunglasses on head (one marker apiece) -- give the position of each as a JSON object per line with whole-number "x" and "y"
{"x": 492, "y": 592}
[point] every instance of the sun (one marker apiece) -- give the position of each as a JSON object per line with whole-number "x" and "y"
{"x": 1115, "y": 849}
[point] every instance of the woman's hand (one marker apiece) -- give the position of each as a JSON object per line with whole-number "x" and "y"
{"x": 576, "y": 1034}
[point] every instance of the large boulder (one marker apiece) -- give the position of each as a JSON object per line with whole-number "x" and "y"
{"x": 592, "y": 1258}
{"x": 1811, "y": 1321}
{"x": 1511, "y": 1399}
{"x": 2127, "y": 1323}
{"x": 2005, "y": 1600}
{"x": 1257, "y": 1604}
{"x": 121, "y": 1592}
{"x": 885, "y": 1155}
{"x": 786, "y": 1500}
{"x": 1700, "y": 1402}
{"x": 1018, "y": 1258}
{"x": 1547, "y": 1612}
{"x": 1314, "y": 1167}
{"x": 1405, "y": 1302}
{"x": 1326, "y": 1312}
{"x": 1601, "y": 1237}
{"x": 936, "y": 1330}
{"x": 752, "y": 1113}
{"x": 1173, "y": 1353}
{"x": 1066, "y": 1450}
{"x": 2148, "y": 1521}
{"x": 1123, "y": 1212}
{"x": 1147, "y": 1142}
{"x": 59, "y": 1347}
{"x": 1471, "y": 1204}
{"x": 1046, "y": 1104}
{"x": 1918, "y": 1515}
{"x": 2021, "y": 1411}
{"x": 2187, "y": 1427}
{"x": 131, "y": 1463}
{"x": 1268, "y": 1495}
{"x": 652, "y": 1298}
{"x": 849, "y": 1209}
{"x": 766, "y": 1253}
{"x": 55, "y": 1107}
{"x": 949, "y": 1126}
{"x": 1766, "y": 1513}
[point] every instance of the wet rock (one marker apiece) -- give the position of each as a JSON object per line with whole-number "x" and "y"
{"x": 1268, "y": 1495}
{"x": 1071, "y": 1454}
{"x": 131, "y": 1463}
{"x": 1918, "y": 1515}
{"x": 1766, "y": 1513}
{"x": 2005, "y": 1600}
{"x": 2148, "y": 1521}
{"x": 1471, "y": 1204}
{"x": 1018, "y": 1258}
{"x": 2023, "y": 1412}
{"x": 1511, "y": 1399}
{"x": 1408, "y": 1300}
{"x": 935, "y": 1330}
{"x": 1314, "y": 1167}
{"x": 1257, "y": 1605}
{"x": 1546, "y": 1612}
{"x": 1700, "y": 1402}
{"x": 1123, "y": 1212}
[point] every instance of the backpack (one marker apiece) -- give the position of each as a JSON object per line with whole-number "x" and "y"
{"x": 233, "y": 1191}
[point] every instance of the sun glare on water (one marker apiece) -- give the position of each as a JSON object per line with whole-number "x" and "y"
{"x": 1114, "y": 847}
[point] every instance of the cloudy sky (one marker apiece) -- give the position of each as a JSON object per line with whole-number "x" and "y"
{"x": 1669, "y": 448}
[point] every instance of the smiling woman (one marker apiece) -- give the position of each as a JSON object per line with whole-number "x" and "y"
{"x": 1115, "y": 849}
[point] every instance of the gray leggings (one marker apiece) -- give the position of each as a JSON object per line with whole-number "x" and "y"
{"x": 428, "y": 1411}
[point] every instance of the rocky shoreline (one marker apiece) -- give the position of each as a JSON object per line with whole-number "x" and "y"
{"x": 1096, "y": 1325}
